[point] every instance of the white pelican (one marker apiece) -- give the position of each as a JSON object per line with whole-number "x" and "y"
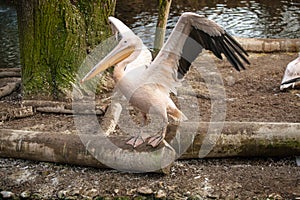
{"x": 149, "y": 89}
{"x": 291, "y": 75}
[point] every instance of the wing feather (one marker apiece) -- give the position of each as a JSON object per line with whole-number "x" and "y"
{"x": 191, "y": 35}
{"x": 291, "y": 74}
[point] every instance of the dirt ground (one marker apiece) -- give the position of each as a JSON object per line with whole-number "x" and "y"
{"x": 251, "y": 95}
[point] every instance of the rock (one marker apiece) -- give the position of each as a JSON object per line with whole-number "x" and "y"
{"x": 7, "y": 195}
{"x": 212, "y": 196}
{"x": 75, "y": 192}
{"x": 161, "y": 194}
{"x": 195, "y": 197}
{"x": 36, "y": 196}
{"x": 116, "y": 191}
{"x": 25, "y": 195}
{"x": 230, "y": 80}
{"x": 91, "y": 193}
{"x": 172, "y": 187}
{"x": 298, "y": 161}
{"x": 275, "y": 196}
{"x": 62, "y": 194}
{"x": 145, "y": 190}
{"x": 131, "y": 192}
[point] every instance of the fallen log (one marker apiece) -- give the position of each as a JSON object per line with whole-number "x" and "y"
{"x": 237, "y": 139}
{"x": 9, "y": 74}
{"x": 11, "y": 69}
{"x": 58, "y": 107}
{"x": 245, "y": 139}
{"x": 8, "y": 89}
{"x": 62, "y": 110}
{"x": 41, "y": 103}
{"x": 84, "y": 150}
{"x": 16, "y": 113}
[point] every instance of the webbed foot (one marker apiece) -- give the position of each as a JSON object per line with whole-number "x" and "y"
{"x": 136, "y": 141}
{"x": 156, "y": 140}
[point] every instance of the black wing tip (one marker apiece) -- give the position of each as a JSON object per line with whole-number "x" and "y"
{"x": 237, "y": 47}
{"x": 294, "y": 80}
{"x": 218, "y": 45}
{"x": 232, "y": 39}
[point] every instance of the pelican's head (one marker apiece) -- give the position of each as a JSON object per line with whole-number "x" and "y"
{"x": 129, "y": 44}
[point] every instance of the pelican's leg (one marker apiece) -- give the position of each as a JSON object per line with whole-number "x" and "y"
{"x": 155, "y": 140}
{"x": 140, "y": 138}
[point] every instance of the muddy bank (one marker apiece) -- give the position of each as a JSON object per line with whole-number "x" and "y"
{"x": 252, "y": 95}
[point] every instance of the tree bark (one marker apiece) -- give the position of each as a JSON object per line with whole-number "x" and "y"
{"x": 163, "y": 13}
{"x": 55, "y": 37}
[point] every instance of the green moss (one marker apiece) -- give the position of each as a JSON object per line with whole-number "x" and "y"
{"x": 54, "y": 38}
{"x": 276, "y": 148}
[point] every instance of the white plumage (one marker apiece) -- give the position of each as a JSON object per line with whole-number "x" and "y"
{"x": 146, "y": 84}
{"x": 291, "y": 75}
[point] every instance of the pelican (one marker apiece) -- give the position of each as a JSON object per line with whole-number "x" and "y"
{"x": 149, "y": 88}
{"x": 291, "y": 75}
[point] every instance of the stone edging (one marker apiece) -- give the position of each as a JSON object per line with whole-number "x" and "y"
{"x": 265, "y": 45}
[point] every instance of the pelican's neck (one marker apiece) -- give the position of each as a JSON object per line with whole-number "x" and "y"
{"x": 119, "y": 71}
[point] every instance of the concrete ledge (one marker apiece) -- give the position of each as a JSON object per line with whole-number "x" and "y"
{"x": 259, "y": 45}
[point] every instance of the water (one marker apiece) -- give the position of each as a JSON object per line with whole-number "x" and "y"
{"x": 250, "y": 19}
{"x": 9, "y": 41}
{"x": 244, "y": 18}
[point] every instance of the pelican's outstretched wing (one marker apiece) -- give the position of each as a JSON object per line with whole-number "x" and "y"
{"x": 191, "y": 34}
{"x": 291, "y": 74}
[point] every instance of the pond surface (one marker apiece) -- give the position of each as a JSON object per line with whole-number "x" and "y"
{"x": 9, "y": 41}
{"x": 252, "y": 19}
{"x": 258, "y": 18}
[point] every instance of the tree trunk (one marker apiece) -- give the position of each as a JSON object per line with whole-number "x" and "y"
{"x": 164, "y": 9}
{"x": 55, "y": 37}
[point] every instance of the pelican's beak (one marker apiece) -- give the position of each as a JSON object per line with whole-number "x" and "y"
{"x": 119, "y": 53}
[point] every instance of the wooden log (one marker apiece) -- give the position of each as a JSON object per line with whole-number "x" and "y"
{"x": 8, "y": 89}
{"x": 237, "y": 139}
{"x": 15, "y": 113}
{"x": 41, "y": 103}
{"x": 62, "y": 110}
{"x": 13, "y": 69}
{"x": 84, "y": 150}
{"x": 244, "y": 139}
{"x": 60, "y": 107}
{"x": 9, "y": 74}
